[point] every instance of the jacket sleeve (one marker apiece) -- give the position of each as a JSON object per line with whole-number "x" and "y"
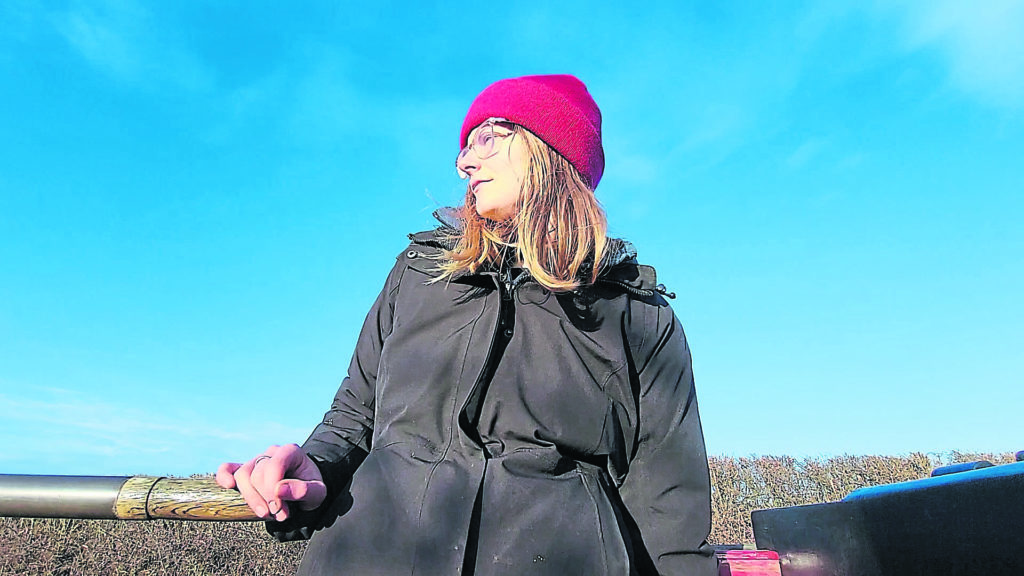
{"x": 667, "y": 490}
{"x": 342, "y": 440}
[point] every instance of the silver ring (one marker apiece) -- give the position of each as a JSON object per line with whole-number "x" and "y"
{"x": 258, "y": 459}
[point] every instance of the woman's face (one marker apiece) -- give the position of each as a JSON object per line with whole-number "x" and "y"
{"x": 496, "y": 178}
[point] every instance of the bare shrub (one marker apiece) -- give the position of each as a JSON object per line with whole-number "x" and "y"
{"x": 742, "y": 485}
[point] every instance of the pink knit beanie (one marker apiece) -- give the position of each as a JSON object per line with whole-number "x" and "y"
{"x": 557, "y": 108}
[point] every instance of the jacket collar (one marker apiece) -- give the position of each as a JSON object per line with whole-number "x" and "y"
{"x": 619, "y": 262}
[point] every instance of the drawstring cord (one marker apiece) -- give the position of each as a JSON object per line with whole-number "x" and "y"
{"x": 642, "y": 292}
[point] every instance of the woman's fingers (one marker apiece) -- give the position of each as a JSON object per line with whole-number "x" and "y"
{"x": 226, "y": 474}
{"x": 268, "y": 482}
{"x": 269, "y": 470}
{"x": 250, "y": 493}
{"x": 307, "y": 494}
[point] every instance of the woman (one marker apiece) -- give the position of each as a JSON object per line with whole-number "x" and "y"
{"x": 520, "y": 399}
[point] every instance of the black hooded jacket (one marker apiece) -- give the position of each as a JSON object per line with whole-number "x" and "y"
{"x": 490, "y": 426}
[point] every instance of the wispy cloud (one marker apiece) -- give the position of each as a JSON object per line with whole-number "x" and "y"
{"x": 17, "y": 20}
{"x": 984, "y": 43}
{"x": 46, "y": 429}
{"x": 247, "y": 105}
{"x": 326, "y": 103}
{"x": 121, "y": 39}
{"x": 102, "y": 40}
{"x": 805, "y": 153}
{"x": 310, "y": 97}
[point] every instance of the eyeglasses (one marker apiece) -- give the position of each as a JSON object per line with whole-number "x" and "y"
{"x": 485, "y": 143}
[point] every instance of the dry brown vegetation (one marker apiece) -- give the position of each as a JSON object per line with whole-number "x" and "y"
{"x": 740, "y": 485}
{"x": 156, "y": 547}
{"x": 160, "y": 547}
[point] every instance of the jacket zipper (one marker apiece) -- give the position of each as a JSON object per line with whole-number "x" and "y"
{"x": 470, "y": 412}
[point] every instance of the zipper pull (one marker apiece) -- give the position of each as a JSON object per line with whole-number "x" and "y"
{"x": 507, "y": 281}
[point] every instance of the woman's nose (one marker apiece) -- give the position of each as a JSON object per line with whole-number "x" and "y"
{"x": 467, "y": 162}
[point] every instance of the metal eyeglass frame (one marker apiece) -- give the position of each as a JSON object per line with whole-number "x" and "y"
{"x": 474, "y": 144}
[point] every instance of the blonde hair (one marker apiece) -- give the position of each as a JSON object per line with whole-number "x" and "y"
{"x": 559, "y": 232}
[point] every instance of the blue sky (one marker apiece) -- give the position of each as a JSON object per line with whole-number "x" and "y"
{"x": 198, "y": 203}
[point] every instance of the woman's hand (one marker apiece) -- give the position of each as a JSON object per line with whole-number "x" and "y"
{"x": 272, "y": 480}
